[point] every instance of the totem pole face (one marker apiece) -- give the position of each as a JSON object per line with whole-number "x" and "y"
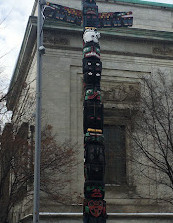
{"x": 90, "y": 14}
{"x": 95, "y": 207}
{"x": 70, "y": 18}
{"x": 91, "y": 51}
{"x": 116, "y": 22}
{"x": 92, "y": 78}
{"x": 91, "y": 35}
{"x": 60, "y": 15}
{"x": 127, "y": 22}
{"x": 107, "y": 23}
{"x": 93, "y": 137}
{"x": 94, "y": 190}
{"x": 92, "y": 65}
{"x": 93, "y": 115}
{"x": 126, "y": 18}
{"x": 90, "y": 8}
{"x": 92, "y": 94}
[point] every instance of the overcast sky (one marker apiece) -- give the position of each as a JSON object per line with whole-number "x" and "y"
{"x": 13, "y": 19}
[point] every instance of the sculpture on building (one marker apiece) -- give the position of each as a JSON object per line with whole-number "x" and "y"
{"x": 94, "y": 206}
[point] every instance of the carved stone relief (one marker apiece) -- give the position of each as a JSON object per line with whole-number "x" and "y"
{"x": 120, "y": 92}
{"x": 163, "y": 51}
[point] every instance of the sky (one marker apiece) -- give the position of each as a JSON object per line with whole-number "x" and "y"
{"x": 13, "y": 20}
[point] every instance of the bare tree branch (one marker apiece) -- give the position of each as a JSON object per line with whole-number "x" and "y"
{"x": 153, "y": 130}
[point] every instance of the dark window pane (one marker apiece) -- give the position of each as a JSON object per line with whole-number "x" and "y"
{"x": 115, "y": 154}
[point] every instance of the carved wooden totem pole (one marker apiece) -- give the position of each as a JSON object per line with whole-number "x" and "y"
{"x": 94, "y": 207}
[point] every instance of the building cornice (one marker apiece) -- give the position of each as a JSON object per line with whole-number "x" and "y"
{"x": 142, "y": 3}
{"x": 34, "y": 7}
{"x": 22, "y": 65}
{"x": 136, "y": 33}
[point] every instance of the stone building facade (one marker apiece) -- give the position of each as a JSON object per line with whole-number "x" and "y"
{"x": 127, "y": 55}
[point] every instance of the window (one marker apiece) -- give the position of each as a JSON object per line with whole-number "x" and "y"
{"x": 115, "y": 153}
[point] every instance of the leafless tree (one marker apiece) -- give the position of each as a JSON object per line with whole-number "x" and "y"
{"x": 17, "y": 166}
{"x": 152, "y": 131}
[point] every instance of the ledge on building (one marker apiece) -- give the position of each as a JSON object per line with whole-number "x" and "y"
{"x": 112, "y": 217}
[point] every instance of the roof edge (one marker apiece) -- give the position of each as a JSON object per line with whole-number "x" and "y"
{"x": 25, "y": 51}
{"x": 34, "y": 8}
{"x": 140, "y": 2}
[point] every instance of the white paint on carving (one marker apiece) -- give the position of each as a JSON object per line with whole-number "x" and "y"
{"x": 91, "y": 35}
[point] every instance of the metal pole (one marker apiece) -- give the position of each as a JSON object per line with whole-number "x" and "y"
{"x": 38, "y": 116}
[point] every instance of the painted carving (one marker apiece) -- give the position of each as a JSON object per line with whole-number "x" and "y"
{"x": 91, "y": 35}
{"x": 94, "y": 150}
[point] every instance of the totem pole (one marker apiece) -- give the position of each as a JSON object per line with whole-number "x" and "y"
{"x": 94, "y": 207}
